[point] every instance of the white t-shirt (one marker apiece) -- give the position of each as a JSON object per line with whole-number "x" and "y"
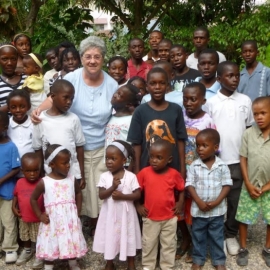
{"x": 47, "y": 76}
{"x": 231, "y": 115}
{"x": 64, "y": 129}
{"x": 192, "y": 62}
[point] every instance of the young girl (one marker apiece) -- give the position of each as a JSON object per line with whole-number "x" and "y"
{"x": 60, "y": 233}
{"x": 118, "y": 230}
{"x": 140, "y": 83}
{"x": 34, "y": 83}
{"x": 23, "y": 45}
{"x": 117, "y": 68}
{"x": 124, "y": 101}
{"x": 9, "y": 80}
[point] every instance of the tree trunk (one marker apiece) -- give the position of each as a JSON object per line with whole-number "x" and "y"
{"x": 32, "y": 16}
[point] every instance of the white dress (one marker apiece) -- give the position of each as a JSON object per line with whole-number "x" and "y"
{"x": 62, "y": 238}
{"x": 118, "y": 229}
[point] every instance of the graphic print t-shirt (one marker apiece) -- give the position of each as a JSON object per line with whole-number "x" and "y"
{"x": 148, "y": 125}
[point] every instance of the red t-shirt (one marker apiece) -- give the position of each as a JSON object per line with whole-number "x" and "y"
{"x": 159, "y": 191}
{"x": 23, "y": 191}
{"x": 142, "y": 72}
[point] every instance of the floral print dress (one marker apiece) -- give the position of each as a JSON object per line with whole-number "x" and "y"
{"x": 62, "y": 238}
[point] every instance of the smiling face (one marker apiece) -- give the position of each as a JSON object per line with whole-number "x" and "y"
{"x": 92, "y": 61}
{"x": 117, "y": 70}
{"x": 157, "y": 85}
{"x": 70, "y": 62}
{"x": 164, "y": 51}
{"x": 154, "y": 40}
{"x": 136, "y": 48}
{"x": 8, "y": 60}
{"x": 23, "y": 46}
{"x": 178, "y": 58}
{"x": 114, "y": 159}
{"x": 18, "y": 107}
{"x": 207, "y": 65}
{"x": 31, "y": 169}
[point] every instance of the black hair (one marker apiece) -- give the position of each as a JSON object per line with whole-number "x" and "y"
{"x": 201, "y": 87}
{"x": 157, "y": 31}
{"x": 223, "y": 65}
{"x": 9, "y": 46}
{"x": 50, "y": 50}
{"x": 250, "y": 42}
{"x": 23, "y": 93}
{"x": 157, "y": 70}
{"x": 129, "y": 148}
{"x": 164, "y": 143}
{"x": 135, "y": 78}
{"x": 211, "y": 134}
{"x": 133, "y": 39}
{"x": 209, "y": 51}
{"x": 16, "y": 37}
{"x": 64, "y": 44}
{"x": 72, "y": 50}
{"x": 262, "y": 100}
{"x": 203, "y": 29}
{"x": 4, "y": 118}
{"x": 51, "y": 148}
{"x": 166, "y": 40}
{"x": 38, "y": 56}
{"x": 31, "y": 156}
{"x": 120, "y": 58}
{"x": 135, "y": 94}
{"x": 58, "y": 85}
{"x": 179, "y": 47}
{"x": 165, "y": 63}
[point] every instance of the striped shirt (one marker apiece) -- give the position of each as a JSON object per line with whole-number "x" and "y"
{"x": 93, "y": 107}
{"x": 208, "y": 184}
{"x": 6, "y": 88}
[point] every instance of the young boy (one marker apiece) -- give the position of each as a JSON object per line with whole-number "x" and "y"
{"x": 255, "y": 193}
{"x": 158, "y": 119}
{"x": 58, "y": 126}
{"x": 232, "y": 114}
{"x": 183, "y": 74}
{"x": 9, "y": 168}
{"x": 208, "y": 183}
{"x": 164, "y": 49}
{"x": 207, "y": 66}
{"x": 254, "y": 77}
{"x": 158, "y": 181}
{"x": 195, "y": 120}
{"x": 28, "y": 222}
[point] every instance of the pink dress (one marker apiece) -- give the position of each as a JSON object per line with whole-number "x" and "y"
{"x": 118, "y": 230}
{"x": 62, "y": 238}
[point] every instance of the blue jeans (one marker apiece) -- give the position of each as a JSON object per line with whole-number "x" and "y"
{"x": 208, "y": 232}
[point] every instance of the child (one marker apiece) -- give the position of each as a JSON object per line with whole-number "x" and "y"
{"x": 254, "y": 77}
{"x": 232, "y": 114}
{"x": 159, "y": 181}
{"x": 183, "y": 74}
{"x": 22, "y": 43}
{"x": 158, "y": 119}
{"x": 9, "y": 168}
{"x": 60, "y": 232}
{"x": 60, "y": 126}
{"x": 32, "y": 67}
{"x": 164, "y": 47}
{"x": 140, "y": 83}
{"x": 124, "y": 101}
{"x": 20, "y": 125}
{"x": 254, "y": 197}
{"x": 118, "y": 229}
{"x": 207, "y": 66}
{"x": 208, "y": 182}
{"x": 195, "y": 120}
{"x": 117, "y": 68}
{"x": 28, "y": 222}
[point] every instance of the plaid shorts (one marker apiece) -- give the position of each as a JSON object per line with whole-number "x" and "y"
{"x": 249, "y": 209}
{"x": 28, "y": 230}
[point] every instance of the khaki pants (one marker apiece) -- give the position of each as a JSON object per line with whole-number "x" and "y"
{"x": 155, "y": 232}
{"x": 94, "y": 166}
{"x": 8, "y": 226}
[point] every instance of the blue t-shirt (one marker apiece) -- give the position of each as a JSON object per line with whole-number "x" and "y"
{"x": 9, "y": 159}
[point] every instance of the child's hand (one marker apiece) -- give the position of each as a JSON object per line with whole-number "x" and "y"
{"x": 44, "y": 218}
{"x": 254, "y": 192}
{"x": 142, "y": 210}
{"x": 178, "y": 208}
{"x": 203, "y": 206}
{"x": 116, "y": 182}
{"x": 211, "y": 205}
{"x": 81, "y": 182}
{"x": 16, "y": 212}
{"x": 117, "y": 195}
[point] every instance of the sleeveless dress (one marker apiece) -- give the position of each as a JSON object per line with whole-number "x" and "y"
{"x": 62, "y": 238}
{"x": 118, "y": 230}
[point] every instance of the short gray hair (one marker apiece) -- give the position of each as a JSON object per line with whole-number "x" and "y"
{"x": 92, "y": 42}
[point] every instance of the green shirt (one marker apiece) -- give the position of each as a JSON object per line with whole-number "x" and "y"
{"x": 257, "y": 151}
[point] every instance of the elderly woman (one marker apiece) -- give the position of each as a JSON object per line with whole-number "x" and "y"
{"x": 94, "y": 89}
